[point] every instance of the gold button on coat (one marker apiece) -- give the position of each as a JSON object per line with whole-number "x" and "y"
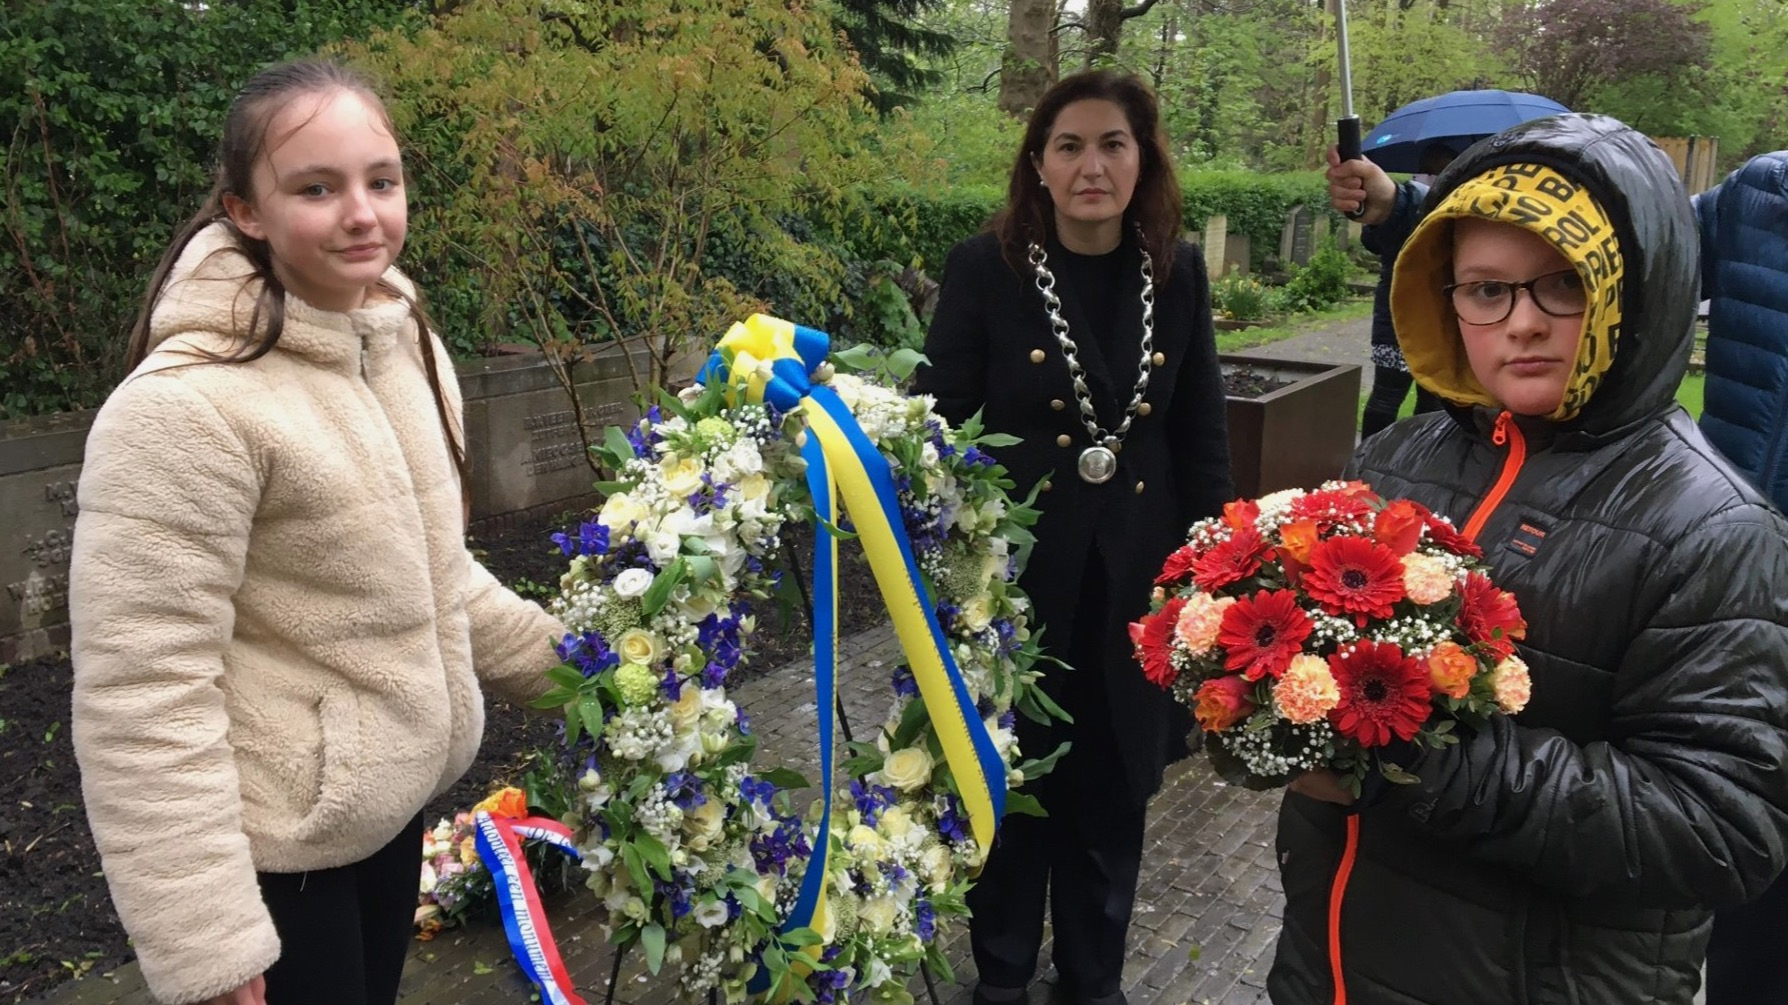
{"x": 1139, "y": 488}
{"x": 1144, "y": 408}
{"x": 1063, "y": 440}
{"x": 1036, "y": 355}
{"x": 1158, "y": 358}
{"x": 1057, "y": 404}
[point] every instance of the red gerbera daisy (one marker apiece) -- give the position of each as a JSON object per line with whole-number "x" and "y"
{"x": 1231, "y": 561}
{"x": 1444, "y": 535}
{"x": 1354, "y": 575}
{"x": 1332, "y": 507}
{"x": 1153, "y": 636}
{"x": 1177, "y": 567}
{"x": 1383, "y": 693}
{"x": 1489, "y": 616}
{"x": 1260, "y": 634}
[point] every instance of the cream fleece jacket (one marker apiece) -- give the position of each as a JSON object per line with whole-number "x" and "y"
{"x": 278, "y": 632}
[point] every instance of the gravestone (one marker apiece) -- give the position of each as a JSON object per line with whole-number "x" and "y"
{"x": 521, "y": 439}
{"x": 1297, "y": 239}
{"x": 1215, "y": 244}
{"x": 1319, "y": 232}
{"x": 1237, "y": 254}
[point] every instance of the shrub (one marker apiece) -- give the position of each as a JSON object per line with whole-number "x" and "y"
{"x": 1242, "y": 298}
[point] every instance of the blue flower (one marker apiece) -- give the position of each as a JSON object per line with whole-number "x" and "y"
{"x": 588, "y": 652}
{"x": 950, "y": 821}
{"x": 684, "y": 789}
{"x": 672, "y": 685}
{"x": 905, "y": 684}
{"x": 871, "y": 800}
{"x": 924, "y": 920}
{"x": 592, "y": 539}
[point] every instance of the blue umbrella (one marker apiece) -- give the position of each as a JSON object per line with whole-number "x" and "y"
{"x": 1456, "y": 120}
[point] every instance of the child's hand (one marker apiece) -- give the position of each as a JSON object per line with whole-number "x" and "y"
{"x": 1324, "y": 785}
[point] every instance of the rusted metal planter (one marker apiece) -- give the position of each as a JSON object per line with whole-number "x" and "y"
{"x": 1296, "y": 436}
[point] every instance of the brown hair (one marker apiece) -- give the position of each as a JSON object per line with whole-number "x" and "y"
{"x": 244, "y": 142}
{"x": 1029, "y": 214}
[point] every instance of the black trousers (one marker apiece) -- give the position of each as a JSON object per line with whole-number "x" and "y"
{"x": 1083, "y": 859}
{"x": 344, "y": 932}
{"x": 1389, "y": 387}
{"x": 1744, "y": 956}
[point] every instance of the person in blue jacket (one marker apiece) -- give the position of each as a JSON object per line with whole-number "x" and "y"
{"x": 1743, "y": 225}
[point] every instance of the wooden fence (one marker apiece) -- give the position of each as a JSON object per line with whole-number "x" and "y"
{"x": 1694, "y": 157}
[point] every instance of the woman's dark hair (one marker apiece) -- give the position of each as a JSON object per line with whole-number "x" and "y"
{"x": 243, "y": 144}
{"x": 1029, "y": 214}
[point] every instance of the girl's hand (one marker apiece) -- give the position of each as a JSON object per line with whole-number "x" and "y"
{"x": 1324, "y": 785}
{"x": 252, "y": 993}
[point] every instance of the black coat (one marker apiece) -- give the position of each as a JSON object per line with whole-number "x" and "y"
{"x": 1573, "y": 853}
{"x": 1173, "y": 468}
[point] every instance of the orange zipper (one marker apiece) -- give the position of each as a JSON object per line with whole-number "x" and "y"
{"x": 1505, "y": 433}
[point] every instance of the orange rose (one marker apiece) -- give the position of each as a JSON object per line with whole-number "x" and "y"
{"x": 1239, "y": 513}
{"x": 1398, "y": 527}
{"x": 1223, "y": 702}
{"x": 1450, "y": 670}
{"x": 508, "y": 802}
{"x": 1297, "y": 538}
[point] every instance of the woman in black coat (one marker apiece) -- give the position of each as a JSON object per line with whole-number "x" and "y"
{"x": 1120, "y": 406}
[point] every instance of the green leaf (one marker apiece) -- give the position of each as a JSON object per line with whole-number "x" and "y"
{"x": 801, "y": 937}
{"x": 786, "y": 778}
{"x": 657, "y": 856}
{"x": 589, "y": 709}
{"x": 1019, "y": 802}
{"x": 858, "y": 357}
{"x": 606, "y": 489}
{"x": 912, "y": 719}
{"x": 558, "y": 697}
{"x": 652, "y": 937}
{"x": 902, "y": 362}
{"x": 566, "y": 676}
{"x": 614, "y": 441}
{"x": 636, "y": 866}
{"x": 1043, "y": 765}
{"x": 1393, "y": 773}
{"x": 999, "y": 440}
{"x": 658, "y": 594}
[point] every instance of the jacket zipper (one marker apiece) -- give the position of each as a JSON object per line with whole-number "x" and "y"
{"x": 1505, "y": 433}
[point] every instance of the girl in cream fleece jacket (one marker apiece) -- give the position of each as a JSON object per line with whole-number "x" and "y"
{"x": 279, "y": 635}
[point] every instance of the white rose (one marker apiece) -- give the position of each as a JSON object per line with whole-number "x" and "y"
{"x": 428, "y": 879}
{"x": 753, "y": 488}
{"x": 621, "y": 510}
{"x": 934, "y": 865}
{"x": 632, "y": 583}
{"x": 907, "y": 769}
{"x": 977, "y": 614}
{"x": 662, "y": 546}
{"x": 864, "y": 839}
{"x": 739, "y": 460}
{"x": 895, "y": 823}
{"x": 682, "y": 476}
{"x": 704, "y": 823}
{"x": 928, "y": 454}
{"x": 878, "y": 915}
{"x": 640, "y": 646}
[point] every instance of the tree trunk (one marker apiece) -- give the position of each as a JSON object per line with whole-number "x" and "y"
{"x": 1104, "y": 23}
{"x": 1029, "y": 64}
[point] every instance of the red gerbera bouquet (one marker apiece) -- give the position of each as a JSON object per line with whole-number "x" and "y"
{"x": 1309, "y": 629}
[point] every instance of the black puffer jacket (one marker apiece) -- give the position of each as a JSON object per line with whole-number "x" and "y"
{"x": 1573, "y": 854}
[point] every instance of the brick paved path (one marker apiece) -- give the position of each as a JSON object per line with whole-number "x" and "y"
{"x": 1209, "y": 888}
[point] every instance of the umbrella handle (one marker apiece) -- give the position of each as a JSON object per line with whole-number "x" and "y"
{"x": 1347, "y": 144}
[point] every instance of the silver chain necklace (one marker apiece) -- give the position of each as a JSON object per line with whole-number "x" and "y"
{"x": 1099, "y": 462}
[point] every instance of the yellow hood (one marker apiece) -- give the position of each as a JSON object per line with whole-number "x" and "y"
{"x": 1534, "y": 198}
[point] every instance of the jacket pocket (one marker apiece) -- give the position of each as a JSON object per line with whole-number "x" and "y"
{"x": 338, "y": 718}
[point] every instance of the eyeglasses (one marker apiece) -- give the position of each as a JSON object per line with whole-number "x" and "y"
{"x": 1489, "y": 301}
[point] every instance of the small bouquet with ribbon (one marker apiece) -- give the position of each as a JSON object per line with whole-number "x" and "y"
{"x": 1317, "y": 629}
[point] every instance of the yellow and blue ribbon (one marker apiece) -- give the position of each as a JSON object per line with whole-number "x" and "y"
{"x": 774, "y": 360}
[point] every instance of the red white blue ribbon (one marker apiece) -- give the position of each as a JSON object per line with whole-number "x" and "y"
{"x": 524, "y": 920}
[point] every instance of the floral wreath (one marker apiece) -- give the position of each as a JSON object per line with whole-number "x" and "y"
{"x": 702, "y": 857}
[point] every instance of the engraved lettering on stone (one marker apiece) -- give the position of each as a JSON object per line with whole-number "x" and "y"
{"x": 38, "y": 594}
{"x": 50, "y": 549}
{"x": 63, "y": 495}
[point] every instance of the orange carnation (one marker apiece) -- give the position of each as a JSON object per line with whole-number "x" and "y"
{"x": 1450, "y": 670}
